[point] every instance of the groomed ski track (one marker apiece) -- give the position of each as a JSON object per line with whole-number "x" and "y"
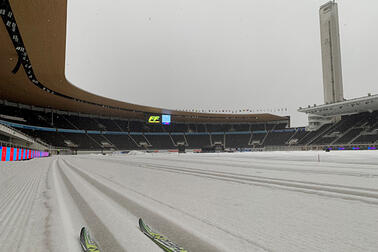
{"x": 277, "y": 201}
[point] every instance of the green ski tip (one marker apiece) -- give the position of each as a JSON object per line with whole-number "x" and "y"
{"x": 159, "y": 239}
{"x": 86, "y": 242}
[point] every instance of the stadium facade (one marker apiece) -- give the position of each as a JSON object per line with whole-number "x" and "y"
{"x": 38, "y": 102}
{"x": 335, "y": 105}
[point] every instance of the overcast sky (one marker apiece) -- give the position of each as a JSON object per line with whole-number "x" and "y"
{"x": 217, "y": 54}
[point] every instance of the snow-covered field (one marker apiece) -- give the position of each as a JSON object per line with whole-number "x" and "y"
{"x": 268, "y": 201}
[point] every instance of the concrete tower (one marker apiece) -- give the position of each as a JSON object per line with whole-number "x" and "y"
{"x": 331, "y": 53}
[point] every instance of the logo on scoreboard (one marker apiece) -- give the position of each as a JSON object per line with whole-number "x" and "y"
{"x": 154, "y": 119}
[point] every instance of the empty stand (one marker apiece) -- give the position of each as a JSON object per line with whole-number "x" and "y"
{"x": 217, "y": 138}
{"x": 123, "y": 142}
{"x": 179, "y": 138}
{"x": 160, "y": 142}
{"x": 88, "y": 132}
{"x": 198, "y": 141}
{"x": 278, "y": 138}
{"x": 237, "y": 141}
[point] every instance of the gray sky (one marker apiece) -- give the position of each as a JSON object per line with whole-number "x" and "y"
{"x": 217, "y": 54}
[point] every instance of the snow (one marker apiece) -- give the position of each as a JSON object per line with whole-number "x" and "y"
{"x": 265, "y": 201}
{"x": 134, "y": 152}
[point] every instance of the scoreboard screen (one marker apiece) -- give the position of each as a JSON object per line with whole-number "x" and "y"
{"x": 166, "y": 119}
{"x": 159, "y": 119}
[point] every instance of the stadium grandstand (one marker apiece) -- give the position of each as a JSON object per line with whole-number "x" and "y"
{"x": 97, "y": 174}
{"x": 40, "y": 108}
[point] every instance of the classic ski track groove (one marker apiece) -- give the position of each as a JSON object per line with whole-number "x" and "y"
{"x": 181, "y": 211}
{"x": 268, "y": 166}
{"x": 349, "y": 165}
{"x": 136, "y": 209}
{"x": 106, "y": 240}
{"x": 305, "y": 163}
{"x": 242, "y": 176}
{"x": 23, "y": 189}
{"x": 366, "y": 195}
{"x": 61, "y": 209}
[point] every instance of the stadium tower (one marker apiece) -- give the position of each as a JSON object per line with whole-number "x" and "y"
{"x": 331, "y": 53}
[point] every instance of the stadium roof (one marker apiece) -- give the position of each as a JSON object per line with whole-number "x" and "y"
{"x": 33, "y": 43}
{"x": 352, "y": 106}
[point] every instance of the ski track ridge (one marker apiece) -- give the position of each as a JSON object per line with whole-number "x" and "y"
{"x": 366, "y": 195}
{"x": 242, "y": 176}
{"x": 196, "y": 244}
{"x": 141, "y": 209}
{"x": 104, "y": 236}
{"x": 264, "y": 166}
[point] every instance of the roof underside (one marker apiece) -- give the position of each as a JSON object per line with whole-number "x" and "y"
{"x": 352, "y": 106}
{"x": 41, "y": 29}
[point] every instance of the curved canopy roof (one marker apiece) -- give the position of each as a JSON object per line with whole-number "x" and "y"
{"x": 32, "y": 45}
{"x": 353, "y": 106}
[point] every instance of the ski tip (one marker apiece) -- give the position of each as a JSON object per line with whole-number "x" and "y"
{"x": 82, "y": 231}
{"x": 86, "y": 242}
{"x": 141, "y": 225}
{"x": 159, "y": 239}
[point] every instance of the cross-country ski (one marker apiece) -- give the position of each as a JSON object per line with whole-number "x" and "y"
{"x": 86, "y": 241}
{"x": 159, "y": 239}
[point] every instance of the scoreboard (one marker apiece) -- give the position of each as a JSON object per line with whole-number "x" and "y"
{"x": 159, "y": 119}
{"x": 166, "y": 119}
